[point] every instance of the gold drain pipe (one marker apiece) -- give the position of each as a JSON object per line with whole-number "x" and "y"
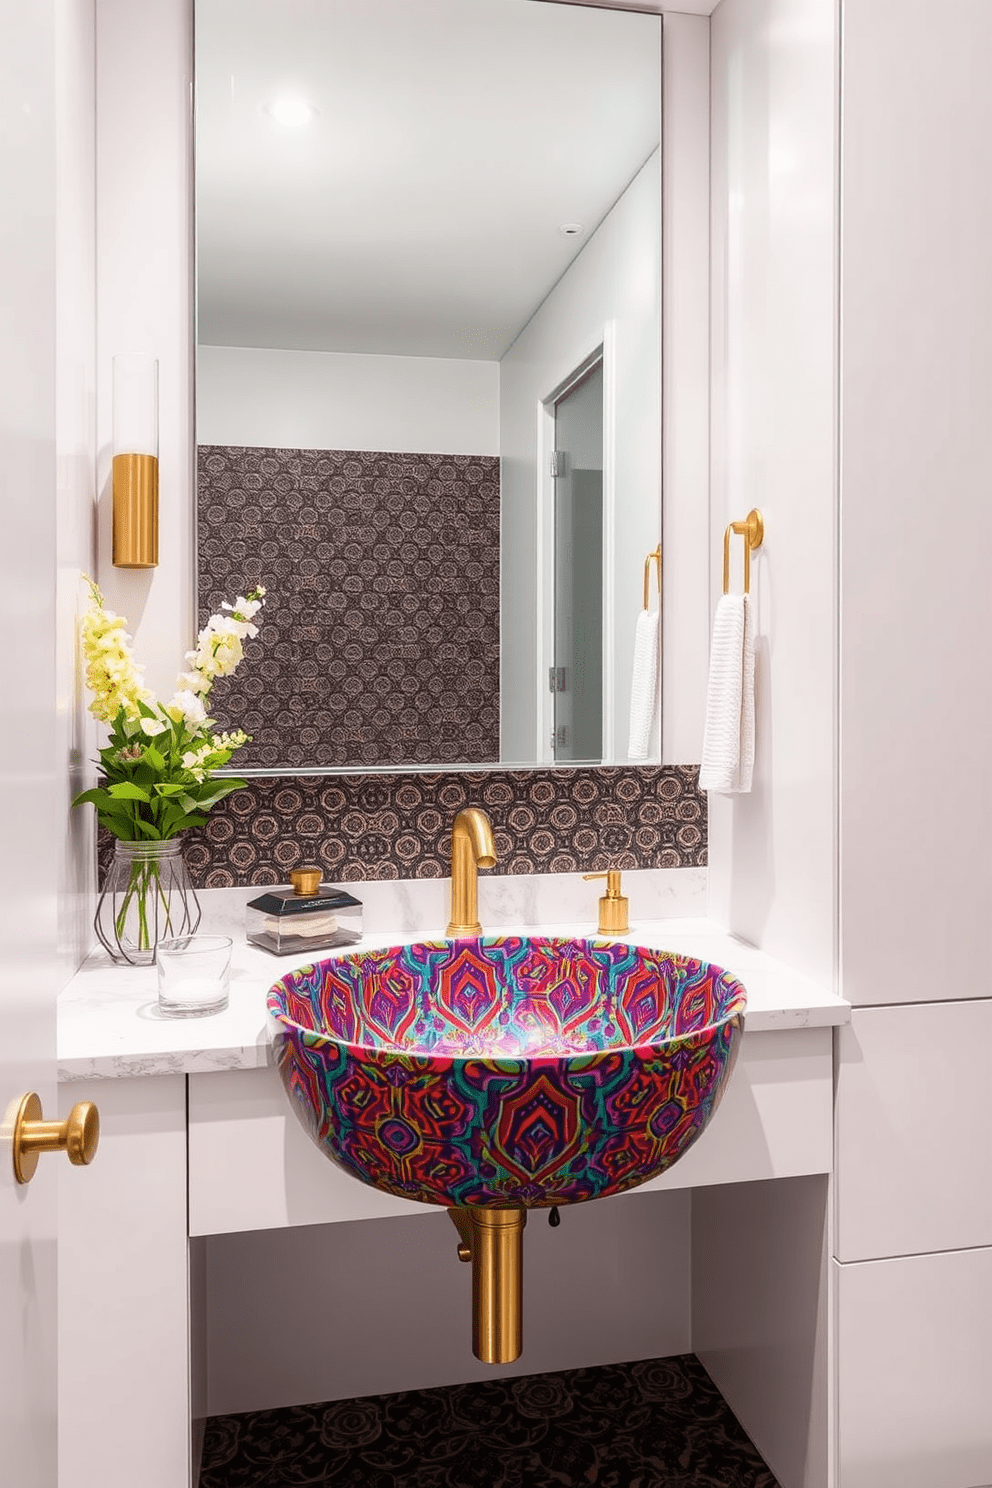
{"x": 492, "y": 1239}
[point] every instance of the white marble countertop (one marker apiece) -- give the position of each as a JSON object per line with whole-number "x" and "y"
{"x": 109, "y": 1026}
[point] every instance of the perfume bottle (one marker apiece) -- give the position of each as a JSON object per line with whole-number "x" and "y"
{"x": 310, "y": 916}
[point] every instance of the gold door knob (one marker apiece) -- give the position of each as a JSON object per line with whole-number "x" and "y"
{"x": 78, "y": 1135}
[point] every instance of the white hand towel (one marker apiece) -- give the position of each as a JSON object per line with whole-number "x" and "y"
{"x": 644, "y": 684}
{"x": 728, "y": 740}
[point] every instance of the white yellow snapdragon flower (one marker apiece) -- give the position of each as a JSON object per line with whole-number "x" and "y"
{"x": 112, "y": 674}
{"x": 187, "y": 707}
{"x": 220, "y": 644}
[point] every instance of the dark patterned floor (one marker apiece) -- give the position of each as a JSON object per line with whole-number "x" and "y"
{"x": 659, "y": 1423}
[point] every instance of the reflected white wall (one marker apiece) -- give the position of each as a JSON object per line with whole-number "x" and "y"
{"x": 272, "y": 399}
{"x": 613, "y": 289}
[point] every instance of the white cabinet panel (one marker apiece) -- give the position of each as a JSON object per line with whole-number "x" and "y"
{"x": 760, "y": 1315}
{"x": 916, "y": 387}
{"x": 252, "y": 1166}
{"x": 914, "y": 1118}
{"x": 775, "y": 1117}
{"x": 123, "y": 1323}
{"x": 914, "y": 1345}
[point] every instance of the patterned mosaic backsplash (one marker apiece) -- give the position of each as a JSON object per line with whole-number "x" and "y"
{"x": 399, "y": 826}
{"x": 380, "y": 641}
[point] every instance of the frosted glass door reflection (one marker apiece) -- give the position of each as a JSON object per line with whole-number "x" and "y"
{"x": 577, "y": 675}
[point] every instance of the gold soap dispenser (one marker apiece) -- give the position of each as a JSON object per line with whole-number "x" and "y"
{"x": 614, "y": 916}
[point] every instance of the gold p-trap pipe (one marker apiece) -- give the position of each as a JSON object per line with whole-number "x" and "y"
{"x": 492, "y": 1239}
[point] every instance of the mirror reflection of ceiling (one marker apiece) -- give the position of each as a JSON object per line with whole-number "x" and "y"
{"x": 419, "y": 212}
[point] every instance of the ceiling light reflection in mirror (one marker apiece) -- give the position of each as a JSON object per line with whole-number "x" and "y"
{"x": 392, "y": 294}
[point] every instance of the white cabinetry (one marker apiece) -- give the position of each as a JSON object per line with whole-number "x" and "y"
{"x": 123, "y": 1311}
{"x": 914, "y": 1336}
{"x": 252, "y": 1167}
{"x": 208, "y": 1207}
{"x": 914, "y": 1121}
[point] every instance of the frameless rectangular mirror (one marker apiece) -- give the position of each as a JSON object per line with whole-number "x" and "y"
{"x": 428, "y": 386}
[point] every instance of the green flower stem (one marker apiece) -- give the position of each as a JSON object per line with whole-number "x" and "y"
{"x": 144, "y": 881}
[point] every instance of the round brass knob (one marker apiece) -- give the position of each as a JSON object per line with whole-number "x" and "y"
{"x": 78, "y": 1135}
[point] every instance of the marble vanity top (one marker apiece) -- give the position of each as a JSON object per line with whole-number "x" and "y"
{"x": 109, "y": 1026}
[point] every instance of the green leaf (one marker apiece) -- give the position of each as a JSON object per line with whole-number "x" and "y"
{"x": 167, "y": 788}
{"x": 145, "y": 829}
{"x": 156, "y": 760}
{"x": 194, "y": 819}
{"x": 117, "y": 828}
{"x": 96, "y": 797}
{"x": 126, "y": 790}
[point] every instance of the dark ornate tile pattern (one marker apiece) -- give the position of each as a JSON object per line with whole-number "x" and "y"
{"x": 381, "y": 637}
{"x": 399, "y": 826}
{"x": 659, "y": 1423}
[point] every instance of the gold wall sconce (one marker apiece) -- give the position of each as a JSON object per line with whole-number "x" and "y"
{"x": 135, "y": 469}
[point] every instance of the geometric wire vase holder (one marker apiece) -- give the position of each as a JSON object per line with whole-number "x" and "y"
{"x": 147, "y": 897}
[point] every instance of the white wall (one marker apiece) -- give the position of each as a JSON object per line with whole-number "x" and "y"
{"x": 75, "y": 439}
{"x": 685, "y": 365}
{"x": 145, "y": 298}
{"x": 772, "y": 853}
{"x": 626, "y": 1258}
{"x": 612, "y": 289}
{"x": 333, "y": 400}
{"x": 774, "y": 267}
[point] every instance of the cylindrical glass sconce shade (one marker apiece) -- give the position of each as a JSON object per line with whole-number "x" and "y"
{"x": 135, "y": 412}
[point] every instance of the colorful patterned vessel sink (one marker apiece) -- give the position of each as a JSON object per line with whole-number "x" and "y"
{"x": 506, "y": 1071}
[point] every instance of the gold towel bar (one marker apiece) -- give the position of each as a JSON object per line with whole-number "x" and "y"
{"x": 654, "y": 557}
{"x": 752, "y": 529}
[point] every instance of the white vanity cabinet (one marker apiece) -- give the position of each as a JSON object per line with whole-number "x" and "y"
{"x": 199, "y": 1141}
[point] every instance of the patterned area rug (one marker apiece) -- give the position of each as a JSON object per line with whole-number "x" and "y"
{"x": 659, "y": 1423}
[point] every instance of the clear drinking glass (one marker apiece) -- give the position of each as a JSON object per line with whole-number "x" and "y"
{"x": 194, "y": 973}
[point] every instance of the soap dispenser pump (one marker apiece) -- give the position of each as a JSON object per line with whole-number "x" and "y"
{"x": 614, "y": 918}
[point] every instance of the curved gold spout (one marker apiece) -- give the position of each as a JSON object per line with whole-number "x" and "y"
{"x": 472, "y": 848}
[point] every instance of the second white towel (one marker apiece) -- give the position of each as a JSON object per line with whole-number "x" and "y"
{"x": 643, "y": 684}
{"x": 728, "y": 739}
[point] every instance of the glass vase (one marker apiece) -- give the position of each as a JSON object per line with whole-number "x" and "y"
{"x": 147, "y": 897}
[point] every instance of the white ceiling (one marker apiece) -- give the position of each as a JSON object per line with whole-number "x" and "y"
{"x": 419, "y": 213}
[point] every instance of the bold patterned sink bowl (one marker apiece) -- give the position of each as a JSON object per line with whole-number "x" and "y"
{"x": 504, "y": 1070}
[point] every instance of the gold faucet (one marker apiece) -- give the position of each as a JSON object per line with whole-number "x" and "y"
{"x": 472, "y": 848}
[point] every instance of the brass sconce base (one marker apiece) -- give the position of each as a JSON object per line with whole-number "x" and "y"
{"x": 492, "y": 1239}
{"x": 135, "y": 511}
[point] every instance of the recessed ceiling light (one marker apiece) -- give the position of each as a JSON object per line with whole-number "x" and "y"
{"x": 291, "y": 111}
{"x": 571, "y": 229}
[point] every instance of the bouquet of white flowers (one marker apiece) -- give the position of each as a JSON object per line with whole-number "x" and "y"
{"x": 158, "y": 772}
{"x": 159, "y": 761}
